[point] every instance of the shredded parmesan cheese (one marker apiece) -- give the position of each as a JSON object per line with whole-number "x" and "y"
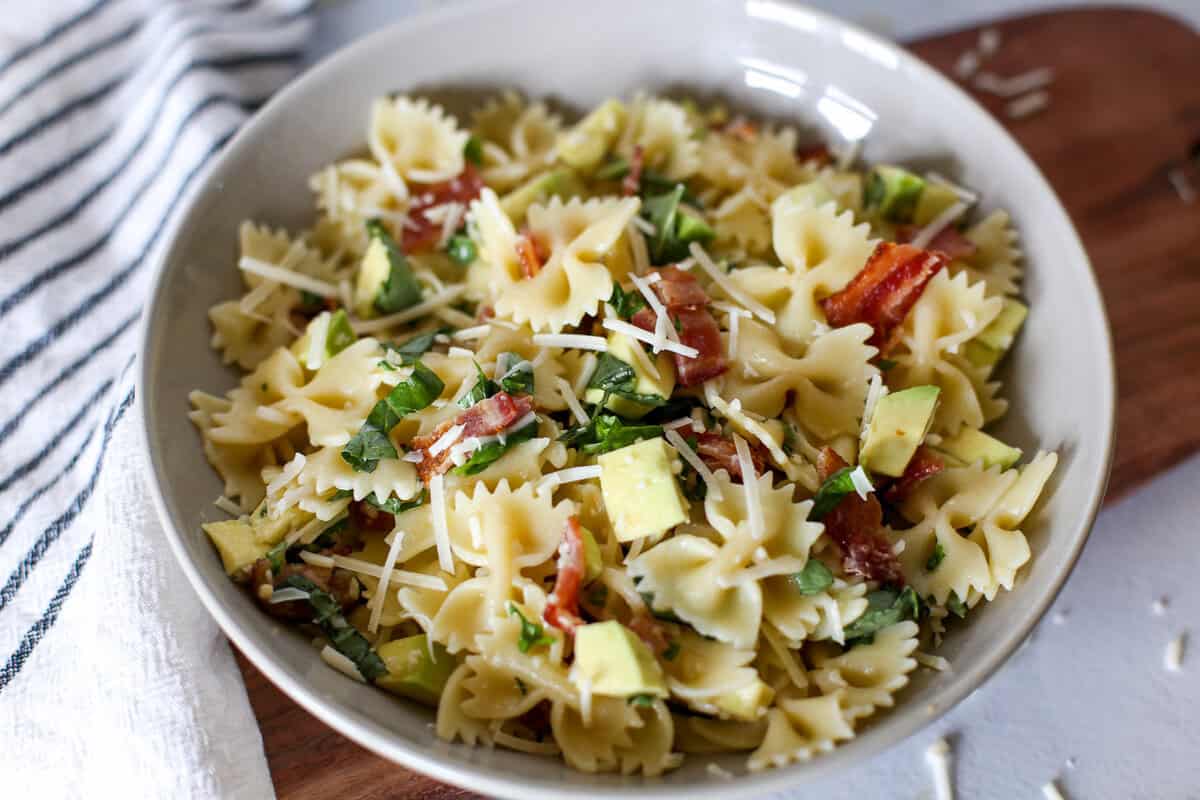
{"x": 717, "y": 771}
{"x": 587, "y": 368}
{"x": 645, "y": 226}
{"x": 286, "y": 276}
{"x": 441, "y": 532}
{"x": 317, "y": 560}
{"x": 575, "y": 340}
{"x": 936, "y": 663}
{"x": 385, "y": 577}
{"x": 285, "y": 476}
{"x": 727, "y": 286}
{"x": 342, "y": 664}
{"x": 1173, "y": 657}
{"x": 967, "y": 64}
{"x": 472, "y": 333}
{"x": 633, "y": 331}
{"x": 572, "y": 401}
{"x": 862, "y": 484}
{"x": 641, "y": 254}
{"x": 440, "y": 299}
{"x": 1038, "y": 78}
{"x": 733, "y": 335}
{"x": 989, "y": 41}
{"x": 754, "y": 514}
{"x": 460, "y": 352}
{"x": 228, "y": 506}
{"x": 568, "y": 475}
{"x": 446, "y": 439}
{"x": 1183, "y": 187}
{"x": 418, "y": 579}
{"x": 693, "y": 460}
{"x": 938, "y": 224}
{"x": 938, "y": 756}
{"x": 963, "y": 193}
{"x": 1028, "y": 105}
{"x": 1050, "y": 792}
{"x": 644, "y": 286}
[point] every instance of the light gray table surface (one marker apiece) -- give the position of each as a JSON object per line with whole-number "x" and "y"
{"x": 1087, "y": 701}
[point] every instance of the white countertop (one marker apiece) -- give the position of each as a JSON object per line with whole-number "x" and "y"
{"x": 1087, "y": 701}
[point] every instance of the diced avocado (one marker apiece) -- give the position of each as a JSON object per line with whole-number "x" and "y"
{"x": 237, "y": 544}
{"x": 935, "y": 198}
{"x": 640, "y": 492}
{"x": 386, "y": 283}
{"x": 414, "y": 670}
{"x": 971, "y": 445}
{"x": 615, "y": 662}
{"x": 900, "y": 422}
{"x": 561, "y": 182}
{"x": 814, "y": 193}
{"x": 691, "y": 228}
{"x": 333, "y": 330}
{"x": 748, "y": 703}
{"x": 893, "y": 192}
{"x": 621, "y": 347}
{"x": 593, "y": 565}
{"x": 585, "y": 145}
{"x": 993, "y": 342}
{"x": 269, "y": 530}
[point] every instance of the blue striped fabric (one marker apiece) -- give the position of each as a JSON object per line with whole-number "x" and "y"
{"x": 110, "y": 111}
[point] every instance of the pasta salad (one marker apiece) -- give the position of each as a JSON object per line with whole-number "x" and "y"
{"x": 657, "y": 433}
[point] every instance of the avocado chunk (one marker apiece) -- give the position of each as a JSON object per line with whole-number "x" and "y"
{"x": 593, "y": 564}
{"x": 585, "y": 145}
{"x": 414, "y": 670}
{"x": 561, "y": 182}
{"x": 935, "y": 198}
{"x": 900, "y": 422}
{"x": 640, "y": 492}
{"x": 621, "y": 347}
{"x": 615, "y": 662}
{"x": 269, "y": 530}
{"x": 236, "y": 543}
{"x": 986, "y": 349}
{"x": 331, "y": 334}
{"x": 971, "y": 446}
{"x": 893, "y": 192}
{"x": 386, "y": 283}
{"x": 748, "y": 703}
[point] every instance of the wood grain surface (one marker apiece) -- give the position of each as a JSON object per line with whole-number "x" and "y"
{"x": 1124, "y": 113}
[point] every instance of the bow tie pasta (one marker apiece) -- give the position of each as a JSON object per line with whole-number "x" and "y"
{"x": 653, "y": 433}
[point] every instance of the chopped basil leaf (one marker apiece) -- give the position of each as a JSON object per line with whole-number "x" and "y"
{"x": 521, "y": 687}
{"x": 885, "y": 607}
{"x": 614, "y": 376}
{"x": 372, "y": 444}
{"x": 613, "y": 170}
{"x": 400, "y": 289}
{"x": 462, "y": 250}
{"x": 626, "y": 304}
{"x": 344, "y": 637}
{"x": 394, "y": 505}
{"x": 311, "y": 302}
{"x": 641, "y": 700}
{"x": 607, "y": 432}
{"x": 473, "y": 150}
{"x": 482, "y": 458}
{"x": 955, "y": 606}
{"x": 516, "y": 373}
{"x": 671, "y": 652}
{"x": 598, "y": 595}
{"x": 665, "y": 616}
{"x": 415, "y": 347}
{"x": 885, "y": 364}
{"x": 814, "y": 578}
{"x": 277, "y": 554}
{"x": 484, "y": 388}
{"x": 339, "y": 335}
{"x": 341, "y": 493}
{"x": 673, "y": 230}
{"x": 532, "y": 633}
{"x": 837, "y": 486}
{"x": 936, "y": 557}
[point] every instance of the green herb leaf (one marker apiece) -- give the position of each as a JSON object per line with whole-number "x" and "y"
{"x": 955, "y": 606}
{"x": 831, "y": 493}
{"x": 276, "y": 555}
{"x": 886, "y": 364}
{"x": 394, "y": 505}
{"x": 598, "y": 595}
{"x": 516, "y": 373}
{"x": 644, "y": 700}
{"x": 339, "y": 335}
{"x": 367, "y": 448}
{"x": 412, "y": 349}
{"x": 626, "y": 304}
{"x": 473, "y": 150}
{"x": 400, "y": 290}
{"x": 532, "y": 633}
{"x": 311, "y": 303}
{"x": 521, "y": 687}
{"x": 671, "y": 652}
{"x": 482, "y": 458}
{"x": 936, "y": 557}
{"x": 345, "y": 638}
{"x": 614, "y": 376}
{"x": 462, "y": 250}
{"x": 607, "y": 432}
{"x": 673, "y": 230}
{"x": 371, "y": 444}
{"x": 885, "y": 607}
{"x": 484, "y": 388}
{"x": 612, "y": 170}
{"x": 814, "y": 578}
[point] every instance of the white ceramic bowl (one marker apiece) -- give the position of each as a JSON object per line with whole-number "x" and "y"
{"x": 773, "y": 58}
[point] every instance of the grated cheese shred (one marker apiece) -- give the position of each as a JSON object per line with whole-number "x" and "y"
{"x": 754, "y": 514}
{"x": 441, "y": 532}
{"x": 273, "y": 272}
{"x": 728, "y": 287}
{"x": 575, "y": 340}
{"x": 938, "y": 757}
{"x": 694, "y": 461}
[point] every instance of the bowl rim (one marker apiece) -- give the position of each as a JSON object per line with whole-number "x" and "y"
{"x": 490, "y": 780}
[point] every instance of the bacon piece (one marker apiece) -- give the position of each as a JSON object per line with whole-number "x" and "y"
{"x": 562, "y": 605}
{"x": 486, "y": 418}
{"x": 819, "y": 154}
{"x": 949, "y": 242}
{"x": 686, "y": 303}
{"x": 633, "y": 179}
{"x": 884, "y": 291}
{"x": 924, "y": 464}
{"x": 646, "y": 627}
{"x": 528, "y": 256}
{"x": 365, "y": 516}
{"x": 422, "y": 233}
{"x": 856, "y": 527}
{"x": 717, "y": 452}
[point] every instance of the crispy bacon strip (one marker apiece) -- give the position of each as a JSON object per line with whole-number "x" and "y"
{"x": 949, "y": 242}
{"x": 924, "y": 464}
{"x": 422, "y": 233}
{"x": 856, "y": 527}
{"x": 633, "y": 179}
{"x": 528, "y": 256}
{"x": 717, "y": 452}
{"x": 485, "y": 418}
{"x": 884, "y": 291}
{"x": 562, "y": 606}
{"x": 818, "y": 154}
{"x": 687, "y": 305}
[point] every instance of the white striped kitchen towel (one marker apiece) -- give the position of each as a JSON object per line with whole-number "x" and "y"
{"x": 112, "y": 678}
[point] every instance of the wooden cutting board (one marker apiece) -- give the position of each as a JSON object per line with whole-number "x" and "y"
{"x": 1124, "y": 113}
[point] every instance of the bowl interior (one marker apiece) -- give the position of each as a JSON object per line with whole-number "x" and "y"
{"x": 771, "y": 58}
